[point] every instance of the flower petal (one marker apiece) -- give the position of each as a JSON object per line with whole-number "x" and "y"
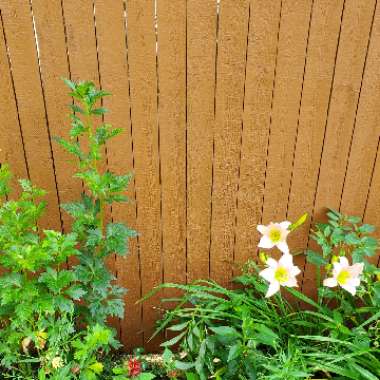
{"x": 285, "y": 225}
{"x": 265, "y": 242}
{"x": 343, "y": 261}
{"x": 267, "y": 274}
{"x": 330, "y": 282}
{"x": 283, "y": 247}
{"x": 286, "y": 260}
{"x": 355, "y": 281}
{"x": 272, "y": 263}
{"x": 262, "y": 229}
{"x": 351, "y": 289}
{"x": 295, "y": 271}
{"x": 336, "y": 270}
{"x": 357, "y": 269}
{"x": 291, "y": 283}
{"x": 273, "y": 288}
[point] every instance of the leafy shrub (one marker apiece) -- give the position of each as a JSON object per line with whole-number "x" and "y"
{"x": 243, "y": 334}
{"x": 53, "y": 316}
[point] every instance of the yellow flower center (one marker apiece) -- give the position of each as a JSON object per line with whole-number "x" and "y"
{"x": 275, "y": 235}
{"x": 343, "y": 277}
{"x": 281, "y": 274}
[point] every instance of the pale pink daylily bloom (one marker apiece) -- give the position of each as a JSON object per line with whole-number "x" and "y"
{"x": 345, "y": 275}
{"x": 280, "y": 273}
{"x": 274, "y": 235}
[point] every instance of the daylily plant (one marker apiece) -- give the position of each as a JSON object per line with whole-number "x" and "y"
{"x": 345, "y": 275}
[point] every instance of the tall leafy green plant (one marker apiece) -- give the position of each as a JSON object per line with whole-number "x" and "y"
{"x": 52, "y": 315}
{"x": 97, "y": 239}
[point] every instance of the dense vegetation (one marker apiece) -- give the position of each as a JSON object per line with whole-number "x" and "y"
{"x": 57, "y": 295}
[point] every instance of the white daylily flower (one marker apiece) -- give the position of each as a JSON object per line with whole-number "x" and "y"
{"x": 345, "y": 275}
{"x": 274, "y": 234}
{"x": 280, "y": 273}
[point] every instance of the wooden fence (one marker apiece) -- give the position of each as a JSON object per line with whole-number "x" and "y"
{"x": 235, "y": 112}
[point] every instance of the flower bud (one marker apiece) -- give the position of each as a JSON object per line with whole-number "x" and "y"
{"x": 263, "y": 257}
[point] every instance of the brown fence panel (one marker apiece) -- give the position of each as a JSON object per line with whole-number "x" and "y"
{"x": 143, "y": 75}
{"x": 54, "y": 64}
{"x": 234, "y": 113}
{"x": 291, "y": 60}
{"x": 21, "y": 43}
{"x": 11, "y": 139}
{"x": 229, "y": 100}
{"x": 357, "y": 22}
{"x": 171, "y": 68}
{"x": 259, "y": 83}
{"x": 316, "y": 91}
{"x": 201, "y": 50}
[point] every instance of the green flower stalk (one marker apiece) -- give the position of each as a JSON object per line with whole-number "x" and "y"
{"x": 97, "y": 240}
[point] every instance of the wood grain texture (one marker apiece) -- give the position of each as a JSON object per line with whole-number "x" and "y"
{"x": 231, "y": 64}
{"x": 363, "y": 148}
{"x": 372, "y": 211}
{"x": 19, "y": 34}
{"x": 235, "y": 112}
{"x": 81, "y": 39}
{"x": 11, "y": 140}
{"x": 143, "y": 79}
{"x": 293, "y": 39}
{"x": 357, "y": 22}
{"x": 362, "y": 176}
{"x": 54, "y": 65}
{"x": 261, "y": 62}
{"x": 171, "y": 18}
{"x": 356, "y": 27}
{"x": 201, "y": 50}
{"x": 113, "y": 65}
{"x": 319, "y": 73}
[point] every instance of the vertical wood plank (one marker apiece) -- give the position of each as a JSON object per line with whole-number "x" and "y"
{"x": 319, "y": 72}
{"x": 11, "y": 139}
{"x": 357, "y": 22}
{"x": 361, "y": 180}
{"x": 54, "y": 65}
{"x": 201, "y": 49}
{"x": 111, "y": 33}
{"x": 295, "y": 23}
{"x": 19, "y": 34}
{"x": 261, "y": 61}
{"x": 232, "y": 49}
{"x": 366, "y": 131}
{"x": 143, "y": 77}
{"x": 81, "y": 40}
{"x": 171, "y": 16}
{"x": 372, "y": 210}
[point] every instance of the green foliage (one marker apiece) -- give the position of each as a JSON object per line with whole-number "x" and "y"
{"x": 53, "y": 316}
{"x": 97, "y": 240}
{"x": 239, "y": 334}
{"x": 346, "y": 236}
